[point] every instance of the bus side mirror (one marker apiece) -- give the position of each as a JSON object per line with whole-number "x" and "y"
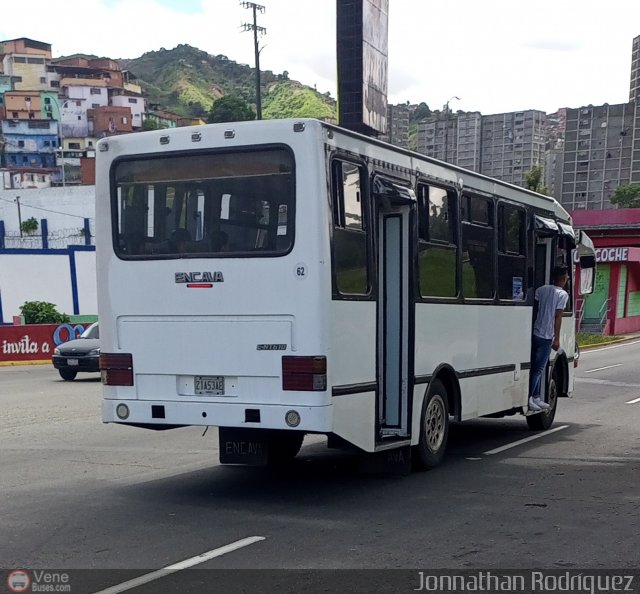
{"x": 587, "y": 275}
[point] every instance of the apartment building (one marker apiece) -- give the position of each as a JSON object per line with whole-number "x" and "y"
{"x": 397, "y": 125}
{"x": 512, "y": 143}
{"x": 601, "y": 152}
{"x": 26, "y": 61}
{"x": 66, "y": 92}
{"x": 634, "y": 91}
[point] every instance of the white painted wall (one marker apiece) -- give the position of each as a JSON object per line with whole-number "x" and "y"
{"x": 135, "y": 104}
{"x": 63, "y": 207}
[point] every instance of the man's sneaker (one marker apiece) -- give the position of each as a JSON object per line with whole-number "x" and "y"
{"x": 541, "y": 404}
{"x": 533, "y": 406}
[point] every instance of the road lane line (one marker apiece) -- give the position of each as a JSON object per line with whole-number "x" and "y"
{"x": 525, "y": 440}
{"x": 603, "y": 368}
{"x": 635, "y": 401}
{"x": 155, "y": 575}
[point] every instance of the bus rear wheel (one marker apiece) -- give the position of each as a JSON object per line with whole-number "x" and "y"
{"x": 543, "y": 421}
{"x": 434, "y": 428}
{"x": 284, "y": 446}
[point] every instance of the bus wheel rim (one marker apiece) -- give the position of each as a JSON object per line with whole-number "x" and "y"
{"x": 435, "y": 423}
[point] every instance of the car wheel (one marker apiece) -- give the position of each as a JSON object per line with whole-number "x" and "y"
{"x": 67, "y": 374}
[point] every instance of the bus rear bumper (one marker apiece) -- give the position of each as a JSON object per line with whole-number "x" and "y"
{"x": 316, "y": 419}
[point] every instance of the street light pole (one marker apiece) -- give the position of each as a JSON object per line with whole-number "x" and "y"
{"x": 447, "y": 111}
{"x": 61, "y": 147}
{"x": 256, "y": 29}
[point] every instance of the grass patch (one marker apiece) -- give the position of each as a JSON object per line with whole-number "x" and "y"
{"x": 591, "y": 338}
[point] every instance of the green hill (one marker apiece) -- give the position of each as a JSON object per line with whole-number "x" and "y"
{"x": 187, "y": 80}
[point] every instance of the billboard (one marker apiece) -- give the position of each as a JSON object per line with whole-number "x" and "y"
{"x": 362, "y": 50}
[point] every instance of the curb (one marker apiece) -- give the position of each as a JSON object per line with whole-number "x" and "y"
{"x": 591, "y": 347}
{"x": 20, "y": 363}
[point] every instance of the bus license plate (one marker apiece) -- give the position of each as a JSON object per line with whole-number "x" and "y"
{"x": 212, "y": 385}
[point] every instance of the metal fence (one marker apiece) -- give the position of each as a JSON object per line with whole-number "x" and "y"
{"x": 57, "y": 239}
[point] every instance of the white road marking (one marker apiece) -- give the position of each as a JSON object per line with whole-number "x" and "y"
{"x": 635, "y": 401}
{"x": 525, "y": 440}
{"x": 473, "y": 458}
{"x": 603, "y": 382}
{"x": 154, "y": 575}
{"x": 603, "y": 368}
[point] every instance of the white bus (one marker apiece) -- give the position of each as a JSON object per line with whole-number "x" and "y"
{"x": 282, "y": 278}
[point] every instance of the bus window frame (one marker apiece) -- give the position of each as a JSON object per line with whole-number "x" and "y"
{"x": 115, "y": 215}
{"x": 367, "y": 220}
{"x": 500, "y": 203}
{"x": 492, "y": 199}
{"x": 451, "y": 192}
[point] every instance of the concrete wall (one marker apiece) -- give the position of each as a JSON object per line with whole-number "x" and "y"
{"x": 64, "y": 276}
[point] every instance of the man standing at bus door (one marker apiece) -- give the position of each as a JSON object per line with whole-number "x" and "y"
{"x": 550, "y": 303}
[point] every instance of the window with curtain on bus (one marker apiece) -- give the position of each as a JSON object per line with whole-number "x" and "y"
{"x": 437, "y": 242}
{"x": 350, "y": 260}
{"x": 196, "y": 205}
{"x": 477, "y": 247}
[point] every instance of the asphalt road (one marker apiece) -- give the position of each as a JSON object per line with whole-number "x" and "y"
{"x": 79, "y": 494}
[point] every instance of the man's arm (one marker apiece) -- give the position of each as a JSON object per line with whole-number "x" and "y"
{"x": 557, "y": 323}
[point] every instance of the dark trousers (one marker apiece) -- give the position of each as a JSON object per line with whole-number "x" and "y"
{"x": 540, "y": 351}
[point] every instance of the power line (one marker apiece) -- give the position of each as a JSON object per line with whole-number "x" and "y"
{"x": 66, "y": 214}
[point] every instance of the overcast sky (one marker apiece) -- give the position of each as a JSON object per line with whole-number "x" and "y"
{"x": 496, "y": 55}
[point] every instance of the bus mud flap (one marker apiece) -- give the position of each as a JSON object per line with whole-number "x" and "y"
{"x": 243, "y": 446}
{"x": 395, "y": 461}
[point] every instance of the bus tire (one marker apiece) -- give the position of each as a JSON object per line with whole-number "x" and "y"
{"x": 543, "y": 421}
{"x": 434, "y": 427}
{"x": 67, "y": 375}
{"x": 284, "y": 446}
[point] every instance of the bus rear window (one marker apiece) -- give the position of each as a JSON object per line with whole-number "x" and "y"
{"x": 198, "y": 205}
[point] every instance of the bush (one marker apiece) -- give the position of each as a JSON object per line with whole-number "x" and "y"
{"x": 29, "y": 226}
{"x": 42, "y": 312}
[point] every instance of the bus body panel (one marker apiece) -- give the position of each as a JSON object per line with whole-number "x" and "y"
{"x": 229, "y": 329}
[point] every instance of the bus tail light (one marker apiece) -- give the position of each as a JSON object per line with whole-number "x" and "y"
{"x": 304, "y": 374}
{"x": 116, "y": 369}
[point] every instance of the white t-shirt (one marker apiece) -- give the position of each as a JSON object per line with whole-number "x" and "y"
{"x": 550, "y": 298}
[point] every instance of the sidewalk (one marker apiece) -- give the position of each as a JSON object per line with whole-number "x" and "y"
{"x": 614, "y": 340}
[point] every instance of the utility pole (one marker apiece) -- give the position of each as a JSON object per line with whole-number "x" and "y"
{"x": 19, "y": 215}
{"x": 256, "y": 29}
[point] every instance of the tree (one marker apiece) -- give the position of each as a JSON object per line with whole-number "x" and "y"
{"x": 150, "y": 124}
{"x": 534, "y": 180}
{"x": 42, "y": 312}
{"x": 230, "y": 109}
{"x": 627, "y": 196}
{"x": 422, "y": 112}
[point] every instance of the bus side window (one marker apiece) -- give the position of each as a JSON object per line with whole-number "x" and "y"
{"x": 477, "y": 247}
{"x": 437, "y": 242}
{"x": 512, "y": 254}
{"x": 350, "y": 230}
